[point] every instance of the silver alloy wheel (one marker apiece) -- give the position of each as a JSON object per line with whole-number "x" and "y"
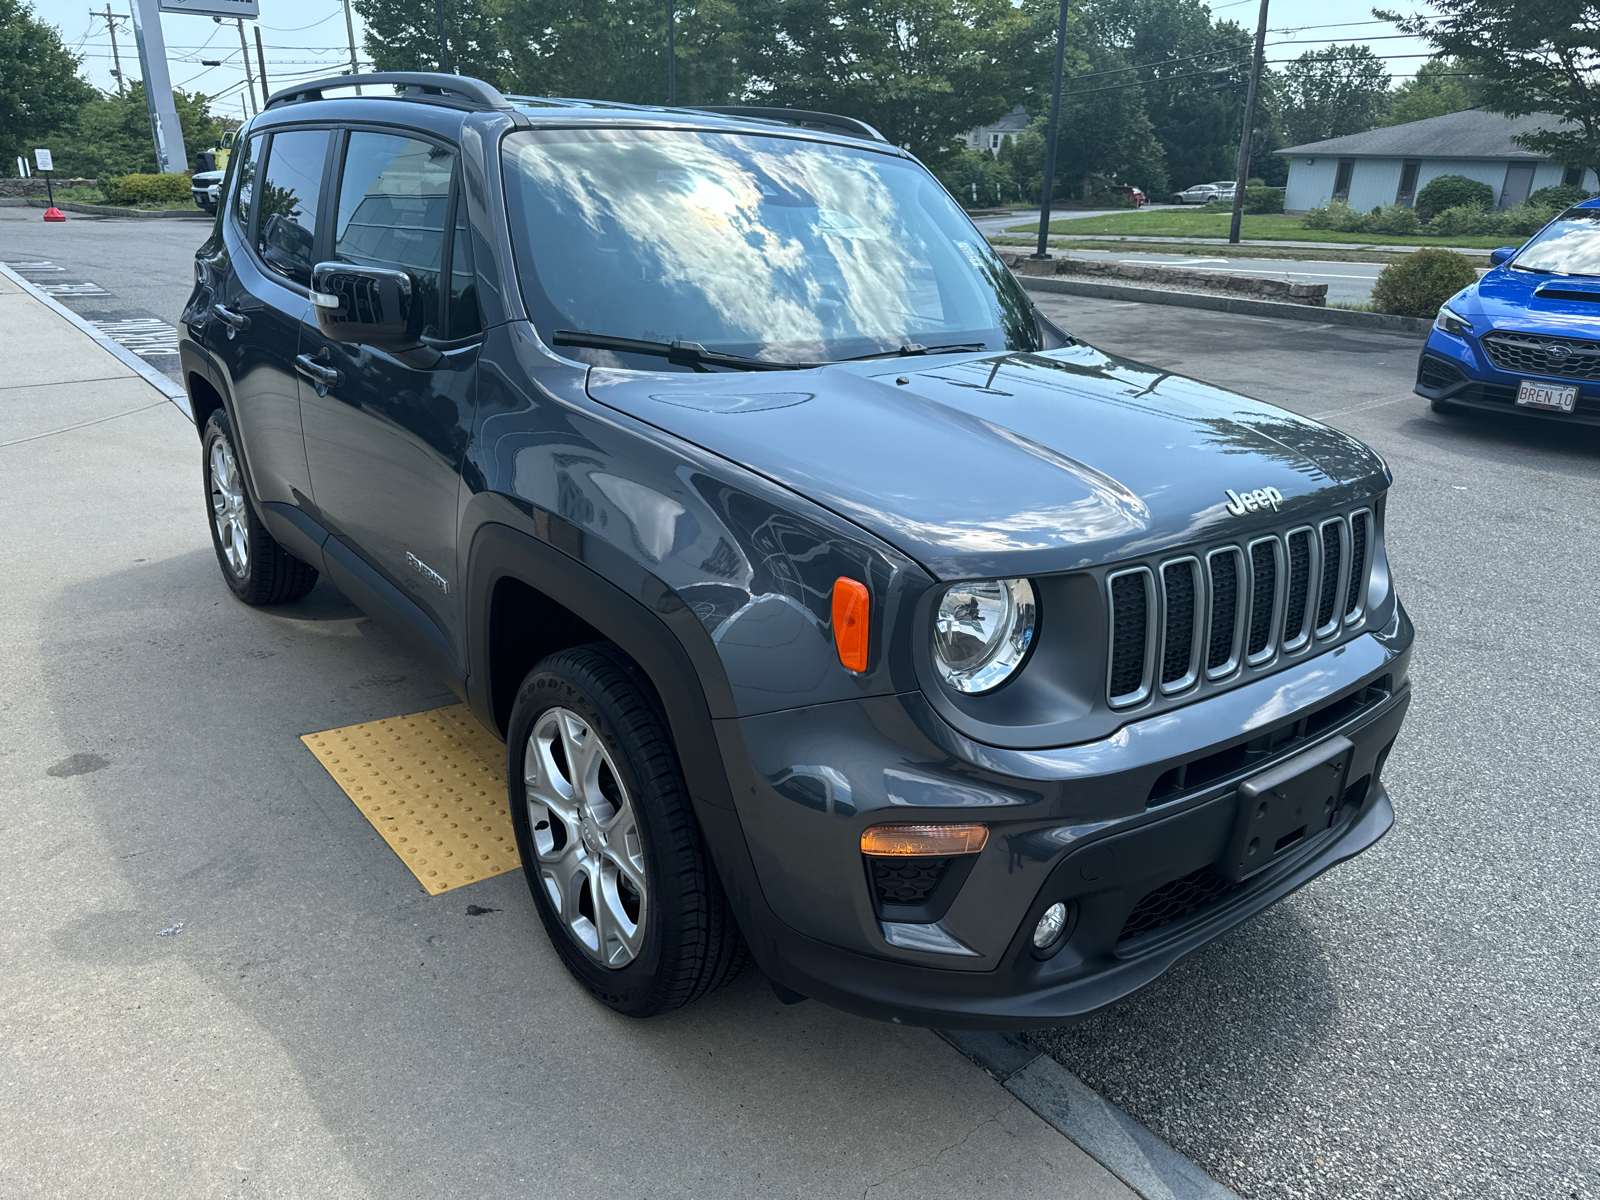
{"x": 227, "y": 508}
{"x": 586, "y": 835}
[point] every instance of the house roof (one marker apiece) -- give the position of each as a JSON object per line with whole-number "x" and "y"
{"x": 1473, "y": 133}
{"x": 1017, "y": 118}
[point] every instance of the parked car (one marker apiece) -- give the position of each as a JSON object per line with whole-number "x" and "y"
{"x": 204, "y": 186}
{"x": 1526, "y": 337}
{"x": 836, "y": 607}
{"x": 1132, "y": 193}
{"x": 1206, "y": 193}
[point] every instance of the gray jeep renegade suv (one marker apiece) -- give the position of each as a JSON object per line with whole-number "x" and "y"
{"x": 835, "y": 607}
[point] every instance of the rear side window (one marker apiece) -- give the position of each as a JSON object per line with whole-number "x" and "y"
{"x": 394, "y": 202}
{"x": 286, "y": 223}
{"x": 244, "y": 192}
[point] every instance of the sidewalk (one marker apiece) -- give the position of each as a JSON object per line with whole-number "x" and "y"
{"x": 219, "y": 980}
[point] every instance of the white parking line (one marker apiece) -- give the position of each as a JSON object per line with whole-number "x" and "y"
{"x": 73, "y": 289}
{"x": 33, "y": 267}
{"x": 145, "y": 336}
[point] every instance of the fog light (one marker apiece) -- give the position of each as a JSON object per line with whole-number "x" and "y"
{"x": 1050, "y": 925}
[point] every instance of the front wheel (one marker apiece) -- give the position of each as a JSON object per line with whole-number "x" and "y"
{"x": 610, "y": 845}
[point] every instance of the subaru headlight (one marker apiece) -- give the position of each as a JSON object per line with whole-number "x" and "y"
{"x": 982, "y": 633}
{"x": 1452, "y": 322}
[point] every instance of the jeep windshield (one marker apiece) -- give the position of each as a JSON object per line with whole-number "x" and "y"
{"x": 1569, "y": 245}
{"x": 769, "y": 247}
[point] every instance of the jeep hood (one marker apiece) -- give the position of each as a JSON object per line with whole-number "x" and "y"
{"x": 1010, "y": 464}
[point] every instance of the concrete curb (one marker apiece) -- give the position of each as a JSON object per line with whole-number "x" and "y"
{"x": 1265, "y": 242}
{"x": 1115, "y": 1140}
{"x": 1231, "y": 304}
{"x": 128, "y": 358}
{"x": 104, "y": 210}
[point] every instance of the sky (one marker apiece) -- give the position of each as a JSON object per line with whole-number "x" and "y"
{"x": 306, "y": 38}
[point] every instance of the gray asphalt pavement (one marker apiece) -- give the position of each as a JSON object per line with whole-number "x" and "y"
{"x": 1419, "y": 1023}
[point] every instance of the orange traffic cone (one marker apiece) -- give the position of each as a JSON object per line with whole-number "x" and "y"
{"x": 54, "y": 214}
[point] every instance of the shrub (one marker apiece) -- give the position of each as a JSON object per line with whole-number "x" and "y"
{"x": 1263, "y": 200}
{"x": 1524, "y": 220}
{"x": 1563, "y": 195}
{"x": 1419, "y": 283}
{"x": 1335, "y": 214}
{"x": 145, "y": 189}
{"x": 1452, "y": 191}
{"x": 1393, "y": 219}
{"x": 1462, "y": 221}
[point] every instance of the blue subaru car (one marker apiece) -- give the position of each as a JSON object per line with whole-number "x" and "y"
{"x": 1526, "y": 337}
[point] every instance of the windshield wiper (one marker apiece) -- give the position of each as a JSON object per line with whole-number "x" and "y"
{"x": 1533, "y": 270}
{"x": 913, "y": 350}
{"x": 679, "y": 353}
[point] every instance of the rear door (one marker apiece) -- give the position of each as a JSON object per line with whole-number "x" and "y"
{"x": 385, "y": 433}
{"x": 253, "y": 327}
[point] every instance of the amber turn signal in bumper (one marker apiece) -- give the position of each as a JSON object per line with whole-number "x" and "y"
{"x": 923, "y": 841}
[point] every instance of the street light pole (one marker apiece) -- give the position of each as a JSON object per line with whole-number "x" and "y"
{"x": 444, "y": 44}
{"x": 261, "y": 61}
{"x": 672, "y": 52}
{"x": 350, "y": 35}
{"x": 1248, "y": 136}
{"x": 1050, "y": 142}
{"x": 116, "y": 58}
{"x": 244, "y": 53}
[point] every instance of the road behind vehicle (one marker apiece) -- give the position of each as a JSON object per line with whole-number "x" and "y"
{"x": 1525, "y": 338}
{"x": 638, "y": 426}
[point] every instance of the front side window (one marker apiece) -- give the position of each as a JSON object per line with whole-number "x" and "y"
{"x": 767, "y": 246}
{"x": 286, "y": 223}
{"x": 1569, "y": 245}
{"x": 394, "y": 199}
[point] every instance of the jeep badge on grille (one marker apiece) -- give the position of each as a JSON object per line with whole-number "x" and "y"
{"x": 1251, "y": 501}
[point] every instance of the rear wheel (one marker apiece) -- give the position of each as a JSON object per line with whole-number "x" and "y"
{"x": 256, "y": 568}
{"x": 610, "y": 845}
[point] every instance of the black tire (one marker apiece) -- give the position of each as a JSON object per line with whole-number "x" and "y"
{"x": 689, "y": 943}
{"x": 265, "y": 573}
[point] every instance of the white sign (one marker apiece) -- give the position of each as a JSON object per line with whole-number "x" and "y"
{"x": 42, "y": 158}
{"x": 249, "y": 10}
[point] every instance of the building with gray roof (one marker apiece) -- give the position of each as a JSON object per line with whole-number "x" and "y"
{"x": 1390, "y": 165}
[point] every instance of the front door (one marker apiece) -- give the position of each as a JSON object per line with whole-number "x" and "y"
{"x": 1519, "y": 183}
{"x": 385, "y": 438}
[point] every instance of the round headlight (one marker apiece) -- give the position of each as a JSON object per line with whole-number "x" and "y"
{"x": 982, "y": 633}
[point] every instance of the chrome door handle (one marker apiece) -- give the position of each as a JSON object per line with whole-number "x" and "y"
{"x": 236, "y": 322}
{"x": 323, "y": 377}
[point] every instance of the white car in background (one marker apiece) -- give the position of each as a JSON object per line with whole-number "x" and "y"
{"x": 204, "y": 187}
{"x": 1205, "y": 193}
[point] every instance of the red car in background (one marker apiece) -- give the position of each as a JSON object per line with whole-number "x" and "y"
{"x": 1133, "y": 193}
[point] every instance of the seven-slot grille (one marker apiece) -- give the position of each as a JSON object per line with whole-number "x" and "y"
{"x": 1203, "y": 616}
{"x": 1530, "y": 353}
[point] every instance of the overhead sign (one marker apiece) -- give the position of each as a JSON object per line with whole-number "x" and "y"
{"x": 44, "y": 161}
{"x": 249, "y": 10}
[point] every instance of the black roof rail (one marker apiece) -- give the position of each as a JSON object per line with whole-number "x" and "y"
{"x": 796, "y": 116}
{"x": 457, "y": 91}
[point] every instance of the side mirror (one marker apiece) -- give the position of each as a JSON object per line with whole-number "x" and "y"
{"x": 1498, "y": 258}
{"x": 370, "y": 305}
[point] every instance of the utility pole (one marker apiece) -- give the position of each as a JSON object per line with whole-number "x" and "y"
{"x": 672, "y": 52}
{"x": 111, "y": 20}
{"x": 444, "y": 45}
{"x": 261, "y": 61}
{"x": 171, "y": 157}
{"x": 1050, "y": 141}
{"x": 1248, "y": 136}
{"x": 350, "y": 34}
{"x": 244, "y": 54}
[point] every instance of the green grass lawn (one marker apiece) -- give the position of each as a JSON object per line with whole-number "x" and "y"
{"x": 1178, "y": 223}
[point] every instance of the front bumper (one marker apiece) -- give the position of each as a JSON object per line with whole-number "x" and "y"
{"x": 1102, "y": 827}
{"x": 1455, "y": 370}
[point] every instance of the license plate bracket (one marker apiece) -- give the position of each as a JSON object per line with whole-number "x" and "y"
{"x": 1286, "y": 807}
{"x": 1553, "y": 397}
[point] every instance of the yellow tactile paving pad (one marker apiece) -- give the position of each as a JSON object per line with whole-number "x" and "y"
{"x": 433, "y": 786}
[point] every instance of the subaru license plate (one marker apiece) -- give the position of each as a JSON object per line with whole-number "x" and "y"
{"x": 1544, "y": 395}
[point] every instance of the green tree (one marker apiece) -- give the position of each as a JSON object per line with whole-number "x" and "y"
{"x": 1535, "y": 56}
{"x": 40, "y": 88}
{"x": 1441, "y": 86}
{"x": 403, "y": 35}
{"x": 110, "y": 135}
{"x": 1334, "y": 91}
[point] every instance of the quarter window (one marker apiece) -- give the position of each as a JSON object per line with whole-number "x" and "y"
{"x": 394, "y": 200}
{"x": 245, "y": 189}
{"x": 286, "y": 224}
{"x": 463, "y": 312}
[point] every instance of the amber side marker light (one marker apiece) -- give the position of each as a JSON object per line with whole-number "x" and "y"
{"x": 923, "y": 841}
{"x": 851, "y": 608}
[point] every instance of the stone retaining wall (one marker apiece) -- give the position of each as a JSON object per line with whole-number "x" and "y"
{"x": 34, "y": 185}
{"x": 1314, "y": 294}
